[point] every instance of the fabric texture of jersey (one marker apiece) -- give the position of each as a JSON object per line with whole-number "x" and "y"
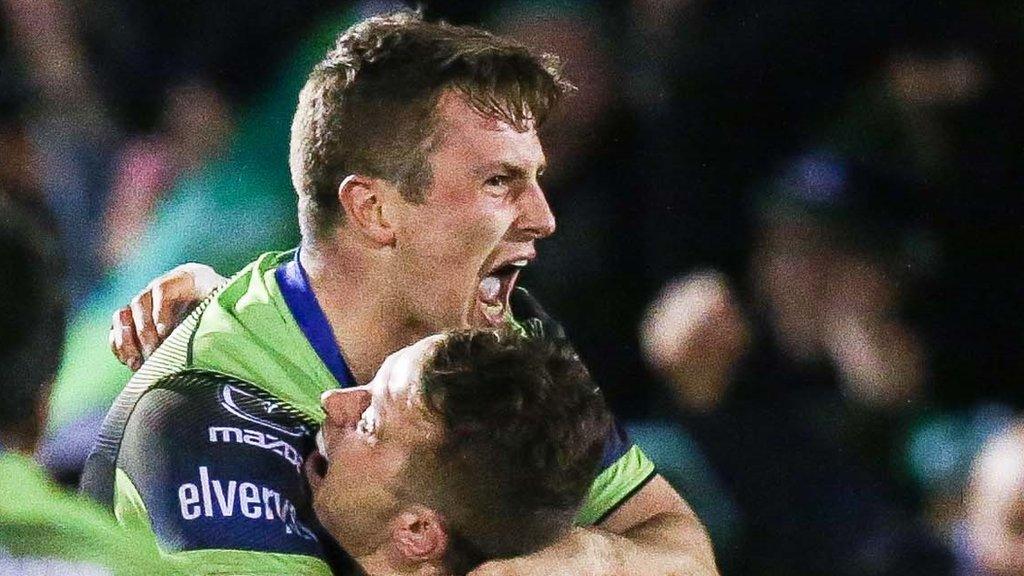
{"x": 45, "y": 530}
{"x": 246, "y": 337}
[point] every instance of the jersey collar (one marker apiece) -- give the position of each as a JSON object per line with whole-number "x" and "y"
{"x": 298, "y": 295}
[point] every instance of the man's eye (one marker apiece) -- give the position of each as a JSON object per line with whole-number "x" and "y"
{"x": 497, "y": 181}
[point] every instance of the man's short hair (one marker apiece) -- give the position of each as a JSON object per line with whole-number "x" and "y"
{"x": 369, "y": 107}
{"x": 523, "y": 431}
{"x": 32, "y": 308}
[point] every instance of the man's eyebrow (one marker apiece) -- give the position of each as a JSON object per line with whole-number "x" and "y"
{"x": 516, "y": 171}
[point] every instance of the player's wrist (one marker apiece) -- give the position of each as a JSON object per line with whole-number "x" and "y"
{"x": 597, "y": 551}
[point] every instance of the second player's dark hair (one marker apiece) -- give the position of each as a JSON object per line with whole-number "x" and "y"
{"x": 523, "y": 432}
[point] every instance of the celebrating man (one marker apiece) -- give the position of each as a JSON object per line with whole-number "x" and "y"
{"x": 415, "y": 157}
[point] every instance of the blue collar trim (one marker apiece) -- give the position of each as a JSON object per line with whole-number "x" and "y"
{"x": 298, "y": 295}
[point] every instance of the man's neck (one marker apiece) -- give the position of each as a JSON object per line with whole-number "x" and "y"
{"x": 359, "y": 308}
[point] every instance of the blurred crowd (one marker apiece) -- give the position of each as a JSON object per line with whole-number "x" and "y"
{"x": 788, "y": 236}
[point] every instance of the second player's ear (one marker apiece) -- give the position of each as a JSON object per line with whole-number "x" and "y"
{"x": 418, "y": 535}
{"x": 363, "y": 198}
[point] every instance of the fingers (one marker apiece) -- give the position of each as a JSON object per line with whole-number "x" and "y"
{"x": 145, "y": 327}
{"x": 123, "y": 343}
{"x": 139, "y": 328}
{"x": 171, "y": 299}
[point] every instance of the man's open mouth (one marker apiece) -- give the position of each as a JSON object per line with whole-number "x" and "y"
{"x": 495, "y": 288}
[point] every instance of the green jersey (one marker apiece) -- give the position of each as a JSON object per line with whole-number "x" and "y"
{"x": 205, "y": 445}
{"x": 46, "y": 530}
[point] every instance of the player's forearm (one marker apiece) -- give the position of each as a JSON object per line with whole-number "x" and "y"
{"x": 656, "y": 532}
{"x": 667, "y": 544}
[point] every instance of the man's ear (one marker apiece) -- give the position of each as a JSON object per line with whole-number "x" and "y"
{"x": 418, "y": 535}
{"x": 362, "y": 199}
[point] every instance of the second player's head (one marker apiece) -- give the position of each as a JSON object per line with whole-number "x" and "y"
{"x": 465, "y": 447}
{"x": 414, "y": 148}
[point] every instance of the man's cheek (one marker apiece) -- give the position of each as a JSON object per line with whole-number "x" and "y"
{"x": 327, "y": 509}
{"x": 481, "y": 224}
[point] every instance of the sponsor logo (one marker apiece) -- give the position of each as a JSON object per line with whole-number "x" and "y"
{"x": 232, "y": 435}
{"x": 210, "y": 497}
{"x": 251, "y": 407}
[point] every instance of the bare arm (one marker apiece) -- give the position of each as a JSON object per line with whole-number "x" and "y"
{"x": 654, "y": 533}
{"x": 662, "y": 533}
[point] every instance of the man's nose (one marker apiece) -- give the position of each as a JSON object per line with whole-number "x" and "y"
{"x": 345, "y": 406}
{"x": 535, "y": 216}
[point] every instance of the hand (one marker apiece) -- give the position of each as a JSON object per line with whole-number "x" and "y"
{"x": 695, "y": 334}
{"x": 880, "y": 362}
{"x": 137, "y": 329}
{"x": 584, "y": 552}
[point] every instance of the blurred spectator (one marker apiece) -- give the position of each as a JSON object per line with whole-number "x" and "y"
{"x": 804, "y": 421}
{"x": 19, "y": 163}
{"x": 43, "y": 529}
{"x": 118, "y": 111}
{"x": 942, "y": 106}
{"x": 695, "y": 335}
{"x": 992, "y": 543}
{"x": 196, "y": 123}
{"x": 67, "y": 125}
{"x": 828, "y": 270}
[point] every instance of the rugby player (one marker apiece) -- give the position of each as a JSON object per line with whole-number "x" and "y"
{"x": 416, "y": 160}
{"x": 43, "y": 528}
{"x": 464, "y": 447}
